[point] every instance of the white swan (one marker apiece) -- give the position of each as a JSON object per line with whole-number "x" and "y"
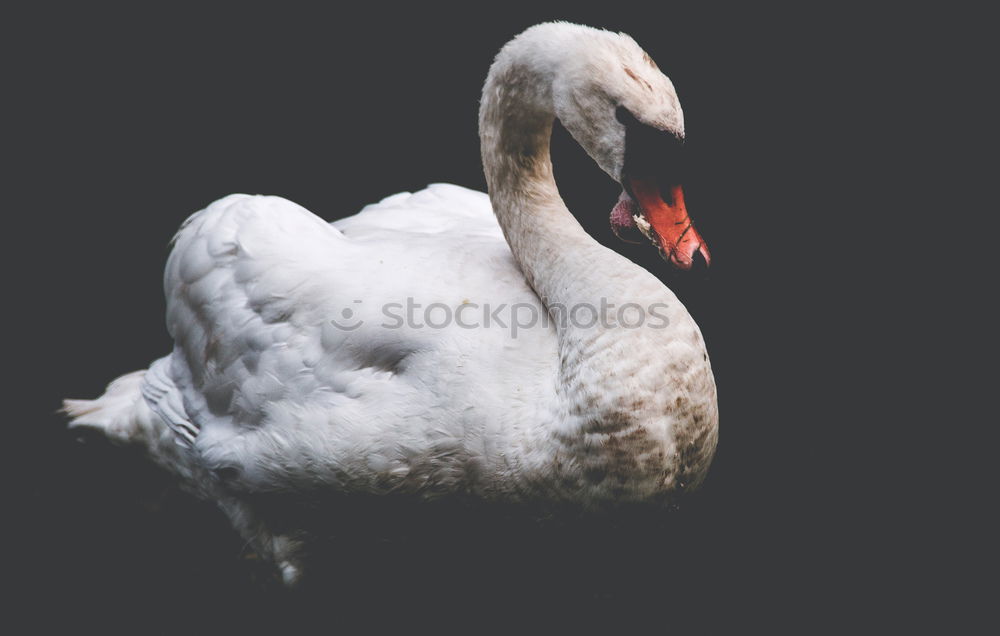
{"x": 296, "y": 370}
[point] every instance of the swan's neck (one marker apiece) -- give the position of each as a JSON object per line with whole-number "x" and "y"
{"x": 560, "y": 260}
{"x": 568, "y": 269}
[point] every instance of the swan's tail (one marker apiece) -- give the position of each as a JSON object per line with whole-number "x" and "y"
{"x": 121, "y": 414}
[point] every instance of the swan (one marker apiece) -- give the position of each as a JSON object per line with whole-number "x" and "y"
{"x": 443, "y": 343}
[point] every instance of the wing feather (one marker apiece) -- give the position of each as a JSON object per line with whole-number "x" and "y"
{"x": 264, "y": 375}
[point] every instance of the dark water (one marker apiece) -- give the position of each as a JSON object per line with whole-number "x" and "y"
{"x": 119, "y": 547}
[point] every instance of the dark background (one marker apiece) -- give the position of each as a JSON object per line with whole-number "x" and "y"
{"x": 127, "y": 121}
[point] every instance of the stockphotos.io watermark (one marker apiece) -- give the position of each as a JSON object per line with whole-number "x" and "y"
{"x": 514, "y": 317}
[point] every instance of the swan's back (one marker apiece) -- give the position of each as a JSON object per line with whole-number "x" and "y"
{"x": 358, "y": 355}
{"x": 439, "y": 208}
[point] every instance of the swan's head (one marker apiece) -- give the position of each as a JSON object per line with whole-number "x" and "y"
{"x": 611, "y": 96}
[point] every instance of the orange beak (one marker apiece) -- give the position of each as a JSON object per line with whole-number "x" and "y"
{"x": 680, "y": 242}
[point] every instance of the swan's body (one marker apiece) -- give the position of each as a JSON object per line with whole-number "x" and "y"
{"x": 296, "y": 371}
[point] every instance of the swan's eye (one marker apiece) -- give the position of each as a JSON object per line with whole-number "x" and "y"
{"x": 651, "y": 152}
